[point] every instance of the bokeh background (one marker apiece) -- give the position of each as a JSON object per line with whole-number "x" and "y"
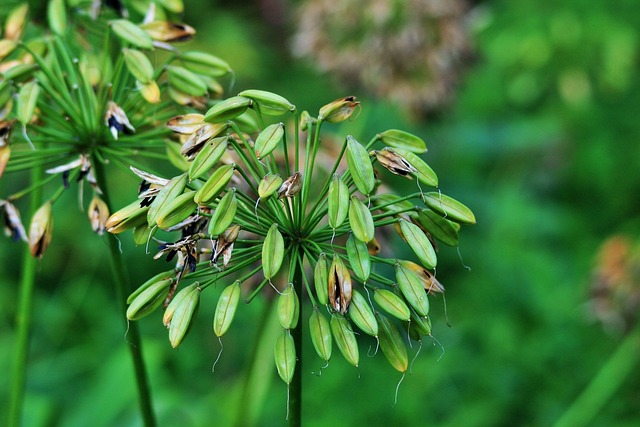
{"x": 530, "y": 110}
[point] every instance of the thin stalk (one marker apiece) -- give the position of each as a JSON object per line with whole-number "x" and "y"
{"x": 23, "y": 317}
{"x": 121, "y": 280}
{"x": 295, "y": 388}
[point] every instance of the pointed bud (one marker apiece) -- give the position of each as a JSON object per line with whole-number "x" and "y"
{"x": 338, "y": 110}
{"x": 40, "y": 230}
{"x": 98, "y": 214}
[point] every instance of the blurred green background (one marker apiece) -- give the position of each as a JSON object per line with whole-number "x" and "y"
{"x": 541, "y": 142}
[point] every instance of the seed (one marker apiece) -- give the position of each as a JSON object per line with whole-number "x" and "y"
{"x": 392, "y": 304}
{"x": 392, "y": 344}
{"x": 338, "y": 110}
{"x": 272, "y": 252}
{"x": 148, "y": 299}
{"x": 419, "y": 243}
{"x": 185, "y": 81}
{"x": 337, "y": 202}
{"x": 412, "y": 289}
{"x": 359, "y": 258}
{"x": 226, "y": 308}
{"x": 268, "y": 140}
{"x": 320, "y": 334}
{"x": 288, "y": 308}
{"x": 345, "y": 339}
{"x": 285, "y": 356}
{"x": 362, "y": 315}
{"x": 449, "y": 207}
{"x": 228, "y": 109}
{"x": 269, "y": 185}
{"x": 176, "y": 211}
{"x": 128, "y": 32}
{"x": 224, "y": 214}
{"x": 207, "y": 157}
{"x": 214, "y": 184}
{"x": 205, "y": 63}
{"x": 403, "y": 140}
{"x": 360, "y": 166}
{"x": 321, "y": 279}
{"x": 268, "y": 103}
{"x": 179, "y": 318}
{"x": 361, "y": 220}
{"x": 138, "y": 64}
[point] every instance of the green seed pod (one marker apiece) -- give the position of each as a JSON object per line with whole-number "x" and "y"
{"x": 419, "y": 326}
{"x": 214, "y": 185}
{"x": 338, "y": 110}
{"x": 321, "y": 279}
{"x": 16, "y": 22}
{"x": 226, "y": 308}
{"x": 27, "y": 100}
{"x": 439, "y": 227}
{"x": 138, "y": 64}
{"x": 207, "y": 157}
{"x": 141, "y": 234}
{"x": 449, "y": 207}
{"x": 128, "y": 217}
{"x": 272, "y": 252}
{"x": 361, "y": 220}
{"x": 345, "y": 339}
{"x": 269, "y": 103}
{"x": 419, "y": 243}
{"x": 392, "y": 304}
{"x": 269, "y": 185}
{"x": 391, "y": 203}
{"x": 404, "y": 140}
{"x": 288, "y": 308}
{"x": 360, "y": 166}
{"x": 176, "y": 211}
{"x": 149, "y": 91}
{"x": 320, "y": 334}
{"x": 16, "y": 72}
{"x": 224, "y": 214}
{"x": 172, "y": 151}
{"x": 179, "y": 317}
{"x": 362, "y": 315}
{"x": 339, "y": 285}
{"x": 394, "y": 163}
{"x": 359, "y": 258}
{"x": 205, "y": 64}
{"x": 57, "y": 16}
{"x": 128, "y": 32}
{"x": 186, "y": 124}
{"x": 149, "y": 299}
{"x": 6, "y": 47}
{"x": 423, "y": 171}
{"x": 412, "y": 289}
{"x": 168, "y": 193}
{"x": 268, "y": 140}
{"x": 186, "y": 81}
{"x": 228, "y": 109}
{"x": 285, "y": 356}
{"x": 392, "y": 344}
{"x": 158, "y": 277}
{"x": 337, "y": 202}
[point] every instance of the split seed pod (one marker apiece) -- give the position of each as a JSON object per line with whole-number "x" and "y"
{"x": 392, "y": 345}
{"x": 320, "y": 332}
{"x": 361, "y": 220}
{"x": 412, "y": 289}
{"x": 291, "y": 186}
{"x": 449, "y": 207}
{"x": 394, "y": 163}
{"x": 423, "y": 171}
{"x": 345, "y": 339}
{"x": 362, "y": 315}
{"x": 224, "y": 214}
{"x": 268, "y": 140}
{"x": 419, "y": 243}
{"x": 285, "y": 356}
{"x": 288, "y": 308}
{"x": 168, "y": 32}
{"x": 359, "y": 258}
{"x": 360, "y": 166}
{"x": 337, "y": 202}
{"x": 98, "y": 214}
{"x": 186, "y": 124}
{"x": 321, "y": 279}
{"x": 338, "y": 110}
{"x": 339, "y": 283}
{"x": 27, "y": 100}
{"x": 183, "y": 314}
{"x": 268, "y": 103}
{"x": 214, "y": 184}
{"x": 203, "y": 134}
{"x": 226, "y": 308}
{"x": 40, "y": 230}
{"x": 272, "y": 252}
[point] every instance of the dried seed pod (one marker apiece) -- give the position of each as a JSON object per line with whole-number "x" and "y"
{"x": 359, "y": 258}
{"x": 214, "y": 184}
{"x": 429, "y": 282}
{"x": 57, "y": 16}
{"x": 98, "y": 214}
{"x": 207, "y": 157}
{"x": 321, "y": 279}
{"x": 320, "y": 332}
{"x": 185, "y": 81}
{"x": 392, "y": 304}
{"x": 362, "y": 315}
{"x": 392, "y": 344}
{"x": 291, "y": 186}
{"x": 41, "y": 229}
{"x": 338, "y": 110}
{"x": 345, "y": 339}
{"x": 228, "y": 109}
{"x": 423, "y": 171}
{"x": 360, "y": 220}
{"x": 404, "y": 140}
{"x": 116, "y": 120}
{"x": 5, "y": 155}
{"x": 176, "y": 211}
{"x": 272, "y": 252}
{"x": 223, "y": 247}
{"x": 373, "y": 247}
{"x": 437, "y": 226}
{"x": 268, "y": 103}
{"x": 419, "y": 326}
{"x": 360, "y": 166}
{"x": 285, "y": 356}
{"x": 138, "y": 64}
{"x": 146, "y": 301}
{"x": 226, "y": 308}
{"x": 224, "y": 214}
{"x": 128, "y": 217}
{"x": 449, "y": 207}
{"x": 205, "y": 64}
{"x": 168, "y": 193}
{"x": 268, "y": 140}
{"x": 201, "y": 136}
{"x": 419, "y": 243}
{"x": 27, "y": 100}
{"x": 12, "y": 223}
{"x": 16, "y": 21}
{"x": 168, "y": 32}
{"x": 182, "y": 316}
{"x": 288, "y": 308}
{"x": 412, "y": 289}
{"x": 394, "y": 163}
{"x": 337, "y": 202}
{"x": 339, "y": 285}
{"x": 129, "y": 32}
{"x": 269, "y": 185}
{"x": 186, "y": 124}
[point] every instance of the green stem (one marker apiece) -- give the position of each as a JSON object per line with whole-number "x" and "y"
{"x": 121, "y": 280}
{"x": 295, "y": 388}
{"x": 23, "y": 317}
{"x": 611, "y": 376}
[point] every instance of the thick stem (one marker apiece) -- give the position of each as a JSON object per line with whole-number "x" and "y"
{"x": 121, "y": 281}
{"x": 295, "y": 388}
